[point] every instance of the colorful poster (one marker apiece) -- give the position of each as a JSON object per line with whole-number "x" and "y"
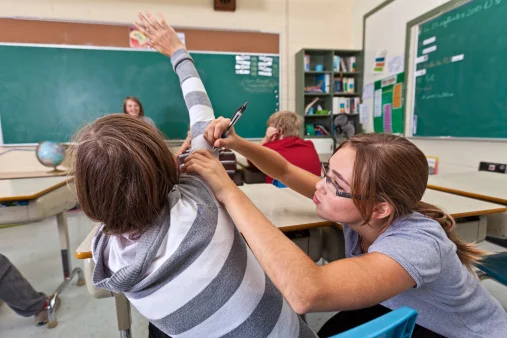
{"x": 380, "y": 61}
{"x": 388, "y": 118}
{"x": 137, "y": 39}
{"x": 397, "y": 93}
{"x": 389, "y": 103}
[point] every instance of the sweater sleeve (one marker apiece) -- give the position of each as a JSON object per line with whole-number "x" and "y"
{"x": 197, "y": 100}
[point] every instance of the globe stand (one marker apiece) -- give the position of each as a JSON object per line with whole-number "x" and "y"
{"x": 56, "y": 170}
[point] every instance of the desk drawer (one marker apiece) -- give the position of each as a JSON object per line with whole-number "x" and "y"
{"x": 472, "y": 229}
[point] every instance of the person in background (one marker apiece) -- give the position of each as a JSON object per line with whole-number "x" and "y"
{"x": 282, "y": 136}
{"x": 133, "y": 107}
{"x": 21, "y": 297}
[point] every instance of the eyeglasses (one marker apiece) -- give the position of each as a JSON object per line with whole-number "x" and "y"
{"x": 333, "y": 187}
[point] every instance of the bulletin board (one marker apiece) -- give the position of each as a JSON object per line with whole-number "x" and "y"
{"x": 388, "y": 105}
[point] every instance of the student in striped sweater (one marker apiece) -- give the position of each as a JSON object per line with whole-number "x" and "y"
{"x": 165, "y": 241}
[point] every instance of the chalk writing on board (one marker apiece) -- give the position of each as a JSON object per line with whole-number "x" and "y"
{"x": 458, "y": 14}
{"x": 259, "y": 84}
{"x": 442, "y": 95}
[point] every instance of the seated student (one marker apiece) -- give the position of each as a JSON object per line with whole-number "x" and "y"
{"x": 165, "y": 241}
{"x": 282, "y": 136}
{"x": 17, "y": 292}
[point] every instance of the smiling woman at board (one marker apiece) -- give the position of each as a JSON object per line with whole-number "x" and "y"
{"x": 132, "y": 106}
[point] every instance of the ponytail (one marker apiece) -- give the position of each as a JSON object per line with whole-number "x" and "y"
{"x": 468, "y": 253}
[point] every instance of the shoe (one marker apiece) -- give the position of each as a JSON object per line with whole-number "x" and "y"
{"x": 42, "y": 317}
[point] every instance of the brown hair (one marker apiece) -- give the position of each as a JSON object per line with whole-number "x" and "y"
{"x": 287, "y": 122}
{"x": 123, "y": 172}
{"x": 394, "y": 170}
{"x": 136, "y": 100}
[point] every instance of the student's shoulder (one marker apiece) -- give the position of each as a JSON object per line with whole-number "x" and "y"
{"x": 416, "y": 242}
{"x": 417, "y": 227}
{"x": 196, "y": 189}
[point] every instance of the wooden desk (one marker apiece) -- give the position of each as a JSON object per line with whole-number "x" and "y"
{"x": 21, "y": 162}
{"x": 470, "y": 229}
{"x": 285, "y": 208}
{"x": 459, "y": 206}
{"x": 35, "y": 199}
{"x": 483, "y": 185}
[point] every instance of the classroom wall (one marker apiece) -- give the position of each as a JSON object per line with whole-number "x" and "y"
{"x": 386, "y": 30}
{"x": 301, "y": 23}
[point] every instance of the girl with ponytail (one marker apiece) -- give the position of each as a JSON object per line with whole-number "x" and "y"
{"x": 400, "y": 251}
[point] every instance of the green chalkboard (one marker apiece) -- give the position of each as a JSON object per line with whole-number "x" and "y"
{"x": 461, "y": 77}
{"x": 48, "y": 93}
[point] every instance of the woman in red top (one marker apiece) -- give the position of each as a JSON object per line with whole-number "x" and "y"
{"x": 282, "y": 136}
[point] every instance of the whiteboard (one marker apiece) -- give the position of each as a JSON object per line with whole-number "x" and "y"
{"x": 385, "y": 30}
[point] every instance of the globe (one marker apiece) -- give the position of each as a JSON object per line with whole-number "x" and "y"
{"x": 50, "y": 154}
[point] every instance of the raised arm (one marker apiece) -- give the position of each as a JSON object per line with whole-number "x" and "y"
{"x": 165, "y": 40}
{"x": 266, "y": 160}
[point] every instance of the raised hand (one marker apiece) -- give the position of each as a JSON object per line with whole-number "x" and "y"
{"x": 162, "y": 37}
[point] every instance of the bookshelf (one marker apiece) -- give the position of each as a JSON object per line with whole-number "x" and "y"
{"x": 315, "y": 81}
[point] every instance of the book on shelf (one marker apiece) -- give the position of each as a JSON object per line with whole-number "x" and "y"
{"x": 344, "y": 64}
{"x": 323, "y": 81}
{"x": 346, "y": 105}
{"x": 316, "y": 130}
{"x": 307, "y": 63}
{"x": 344, "y": 85}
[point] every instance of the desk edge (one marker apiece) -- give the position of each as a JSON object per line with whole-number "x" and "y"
{"x": 467, "y": 194}
{"x": 37, "y": 195}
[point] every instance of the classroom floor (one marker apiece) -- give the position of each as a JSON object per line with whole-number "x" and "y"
{"x": 34, "y": 249}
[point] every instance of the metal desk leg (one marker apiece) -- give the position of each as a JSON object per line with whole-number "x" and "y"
{"x": 68, "y": 275}
{"x": 123, "y": 315}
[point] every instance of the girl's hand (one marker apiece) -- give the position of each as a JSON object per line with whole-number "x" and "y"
{"x": 213, "y": 134}
{"x": 204, "y": 164}
{"x": 185, "y": 146}
{"x": 162, "y": 36}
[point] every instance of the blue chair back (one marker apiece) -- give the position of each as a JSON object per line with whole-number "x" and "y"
{"x": 395, "y": 324}
{"x": 279, "y": 184}
{"x": 495, "y": 266}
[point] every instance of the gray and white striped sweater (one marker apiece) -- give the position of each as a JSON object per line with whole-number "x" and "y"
{"x": 192, "y": 274}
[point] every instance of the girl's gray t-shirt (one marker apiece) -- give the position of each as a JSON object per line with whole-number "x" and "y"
{"x": 448, "y": 298}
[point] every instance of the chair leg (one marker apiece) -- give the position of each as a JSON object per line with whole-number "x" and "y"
{"x": 482, "y": 275}
{"x": 123, "y": 315}
{"x": 68, "y": 275}
{"x": 53, "y": 322}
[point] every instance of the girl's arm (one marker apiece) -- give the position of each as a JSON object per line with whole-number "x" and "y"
{"x": 346, "y": 284}
{"x": 165, "y": 40}
{"x": 266, "y": 160}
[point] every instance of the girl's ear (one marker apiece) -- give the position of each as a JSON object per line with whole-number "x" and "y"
{"x": 382, "y": 210}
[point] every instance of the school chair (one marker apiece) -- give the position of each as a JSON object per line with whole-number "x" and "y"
{"x": 398, "y": 323}
{"x": 122, "y": 303}
{"x": 495, "y": 267}
{"x": 279, "y": 184}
